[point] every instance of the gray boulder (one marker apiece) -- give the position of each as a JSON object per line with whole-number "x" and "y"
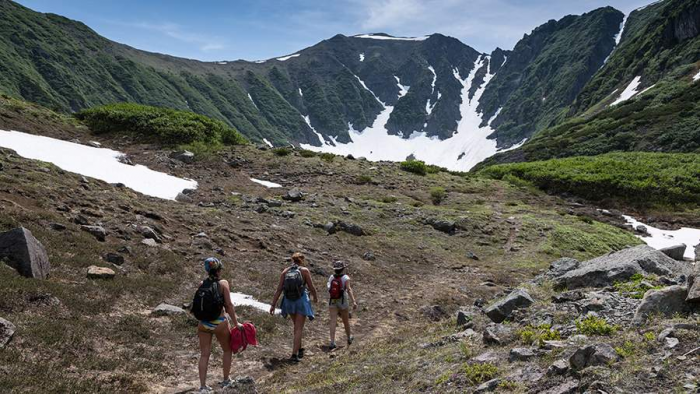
{"x": 667, "y": 302}
{"x": 184, "y": 156}
{"x": 445, "y": 226}
{"x": 559, "y": 367}
{"x": 114, "y": 258}
{"x": 369, "y": 256}
{"x": 167, "y": 310}
{"x": 486, "y": 358}
{"x": 96, "y": 231}
{"x": 433, "y": 312}
{"x": 150, "y": 233}
{"x": 7, "y": 330}
{"x": 592, "y": 355}
{"x": 562, "y": 266}
{"x": 522, "y": 354}
{"x": 694, "y": 283}
{"x": 350, "y": 228}
{"x": 95, "y": 272}
{"x": 293, "y": 195}
{"x": 501, "y": 309}
{"x": 21, "y": 251}
{"x": 488, "y": 386}
{"x": 465, "y": 319}
{"x": 675, "y": 252}
{"x": 497, "y": 334}
{"x": 620, "y": 266}
{"x": 568, "y": 387}
{"x": 182, "y": 197}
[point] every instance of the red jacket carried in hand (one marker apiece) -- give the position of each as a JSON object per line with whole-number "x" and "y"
{"x": 241, "y": 338}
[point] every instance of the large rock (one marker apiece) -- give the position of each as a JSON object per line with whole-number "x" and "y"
{"x": 95, "y": 272}
{"x": 150, "y": 233}
{"x": 433, "y": 312}
{"x": 350, "y": 228}
{"x": 167, "y": 310}
{"x": 501, "y": 309}
{"x": 445, "y": 226}
{"x": 522, "y": 354}
{"x": 7, "y": 330}
{"x": 562, "y": 266}
{"x": 497, "y": 334}
{"x": 21, "y": 251}
{"x": 465, "y": 319}
{"x": 592, "y": 355}
{"x": 568, "y": 387}
{"x": 97, "y": 231}
{"x": 667, "y": 302}
{"x": 694, "y": 283}
{"x": 675, "y": 252}
{"x": 293, "y": 195}
{"x": 620, "y": 266}
{"x": 183, "y": 156}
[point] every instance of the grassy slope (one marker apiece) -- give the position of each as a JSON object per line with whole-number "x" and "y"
{"x": 98, "y": 336}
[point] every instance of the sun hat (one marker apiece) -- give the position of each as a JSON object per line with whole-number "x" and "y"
{"x": 339, "y": 265}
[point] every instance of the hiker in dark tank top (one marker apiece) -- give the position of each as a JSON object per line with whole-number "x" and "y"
{"x": 295, "y": 283}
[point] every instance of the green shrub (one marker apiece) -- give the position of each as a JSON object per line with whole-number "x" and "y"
{"x": 539, "y": 334}
{"x": 626, "y": 350}
{"x": 307, "y": 153}
{"x": 328, "y": 157}
{"x": 467, "y": 351}
{"x": 433, "y": 169}
{"x": 282, "y": 151}
{"x": 363, "y": 180}
{"x": 414, "y": 166}
{"x": 480, "y": 373}
{"x": 592, "y": 325}
{"x": 167, "y": 126}
{"x": 437, "y": 195}
{"x": 389, "y": 199}
{"x": 636, "y": 286}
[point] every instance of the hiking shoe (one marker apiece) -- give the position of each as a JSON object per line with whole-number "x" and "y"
{"x": 225, "y": 383}
{"x": 332, "y": 346}
{"x": 350, "y": 339}
{"x": 301, "y": 353}
{"x": 295, "y": 358}
{"x": 205, "y": 390}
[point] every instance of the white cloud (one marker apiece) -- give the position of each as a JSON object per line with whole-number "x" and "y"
{"x": 204, "y": 43}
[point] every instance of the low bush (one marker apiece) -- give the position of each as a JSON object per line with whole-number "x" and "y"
{"x": 389, "y": 199}
{"x": 307, "y": 153}
{"x": 480, "y": 373}
{"x": 167, "y": 126}
{"x": 593, "y": 325}
{"x": 538, "y": 334}
{"x": 282, "y": 151}
{"x": 327, "y": 157}
{"x": 437, "y": 195}
{"x": 414, "y": 166}
{"x": 363, "y": 180}
{"x": 636, "y": 286}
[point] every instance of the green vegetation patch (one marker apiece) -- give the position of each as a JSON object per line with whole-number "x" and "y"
{"x": 636, "y": 286}
{"x": 414, "y": 166}
{"x": 593, "y": 325}
{"x": 168, "y": 126}
{"x": 437, "y": 195}
{"x": 538, "y": 334}
{"x": 639, "y": 178}
{"x": 480, "y": 373}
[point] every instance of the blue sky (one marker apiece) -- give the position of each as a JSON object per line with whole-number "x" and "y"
{"x": 262, "y": 29}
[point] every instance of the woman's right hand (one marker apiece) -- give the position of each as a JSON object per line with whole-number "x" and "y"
{"x": 272, "y": 310}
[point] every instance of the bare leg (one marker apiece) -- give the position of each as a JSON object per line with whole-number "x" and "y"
{"x": 223, "y": 335}
{"x": 205, "y": 352}
{"x": 293, "y": 318}
{"x": 333, "y": 316}
{"x": 299, "y": 321}
{"x": 345, "y": 315}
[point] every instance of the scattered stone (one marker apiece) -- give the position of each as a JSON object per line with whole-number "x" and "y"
{"x": 694, "y": 281}
{"x": 491, "y": 385}
{"x": 350, "y": 228}
{"x": 671, "y": 342}
{"x": 675, "y": 252}
{"x": 620, "y": 266}
{"x": 528, "y": 373}
{"x": 149, "y": 242}
{"x": 501, "y": 309}
{"x": 471, "y": 255}
{"x": 293, "y": 195}
{"x": 21, "y": 251}
{"x": 465, "y": 319}
{"x": 7, "y": 330}
{"x": 522, "y": 354}
{"x": 444, "y": 226}
{"x": 497, "y": 334}
{"x": 182, "y": 197}
{"x": 330, "y": 227}
{"x": 95, "y": 272}
{"x": 124, "y": 250}
{"x": 114, "y": 258}
{"x": 592, "y": 355}
{"x": 368, "y": 256}
{"x": 562, "y": 266}
{"x": 183, "y": 156}
{"x": 667, "y": 301}
{"x": 568, "y": 387}
{"x": 96, "y": 231}
{"x": 58, "y": 226}
{"x": 433, "y": 312}
{"x": 150, "y": 233}
{"x": 484, "y": 358}
{"x": 568, "y": 296}
{"x": 559, "y": 367}
{"x": 167, "y": 310}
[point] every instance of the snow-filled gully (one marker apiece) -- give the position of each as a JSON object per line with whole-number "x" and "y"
{"x": 98, "y": 163}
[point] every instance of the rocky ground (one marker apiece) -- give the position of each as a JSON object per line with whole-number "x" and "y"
{"x": 115, "y": 255}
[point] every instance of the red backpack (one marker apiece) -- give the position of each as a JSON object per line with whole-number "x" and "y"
{"x": 337, "y": 290}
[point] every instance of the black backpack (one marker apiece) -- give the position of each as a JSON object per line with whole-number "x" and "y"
{"x": 208, "y": 302}
{"x": 293, "y": 284}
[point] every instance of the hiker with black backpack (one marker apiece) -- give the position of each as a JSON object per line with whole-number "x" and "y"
{"x": 210, "y": 304}
{"x": 340, "y": 293}
{"x": 294, "y": 282}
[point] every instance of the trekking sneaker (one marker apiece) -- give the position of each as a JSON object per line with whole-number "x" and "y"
{"x": 206, "y": 390}
{"x": 301, "y": 353}
{"x": 332, "y": 346}
{"x": 350, "y": 339}
{"x": 295, "y": 358}
{"x": 225, "y": 383}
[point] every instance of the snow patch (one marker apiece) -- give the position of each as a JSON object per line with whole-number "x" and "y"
{"x": 468, "y": 145}
{"x": 268, "y": 143}
{"x": 659, "y": 239}
{"x": 696, "y": 77}
{"x": 319, "y": 135}
{"x": 379, "y": 37}
{"x": 362, "y": 57}
{"x": 629, "y": 91}
{"x": 253, "y": 101}
{"x": 645, "y": 90}
{"x": 403, "y": 89}
{"x": 285, "y": 58}
{"x": 98, "y": 163}
{"x": 618, "y": 36}
{"x": 428, "y": 107}
{"x": 301, "y": 93}
{"x": 498, "y": 112}
{"x": 649, "y": 5}
{"x": 265, "y": 183}
{"x": 221, "y": 62}
{"x": 239, "y": 299}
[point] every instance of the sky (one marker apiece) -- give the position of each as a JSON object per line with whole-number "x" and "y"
{"x": 261, "y": 29}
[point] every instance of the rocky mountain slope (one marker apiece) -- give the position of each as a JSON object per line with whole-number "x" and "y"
{"x": 92, "y": 323}
{"x": 364, "y": 94}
